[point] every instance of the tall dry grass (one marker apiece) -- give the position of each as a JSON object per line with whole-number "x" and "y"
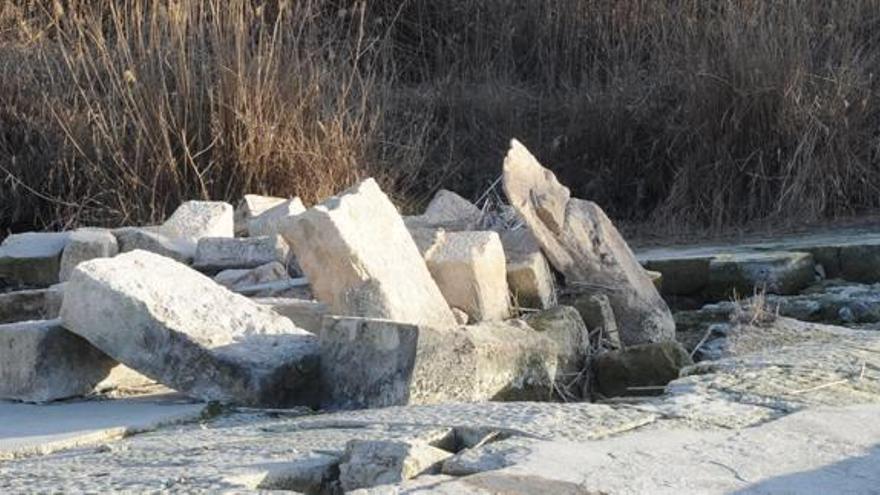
{"x": 676, "y": 112}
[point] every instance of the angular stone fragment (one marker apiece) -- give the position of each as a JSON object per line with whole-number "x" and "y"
{"x": 269, "y": 280}
{"x": 682, "y": 276}
{"x": 598, "y": 315}
{"x": 271, "y": 221}
{"x": 308, "y": 315}
{"x": 32, "y": 259}
{"x": 378, "y": 363}
{"x": 250, "y": 206}
{"x": 185, "y": 331}
{"x": 581, "y": 242}
{"x": 24, "y": 305}
{"x": 221, "y": 253}
{"x": 370, "y": 463}
{"x": 40, "y": 361}
{"x": 153, "y": 240}
{"x": 469, "y": 268}
{"x": 448, "y": 211}
{"x": 196, "y": 219}
{"x": 490, "y": 457}
{"x": 773, "y": 272}
{"x": 639, "y": 370}
{"x": 564, "y": 326}
{"x": 530, "y": 280}
{"x": 86, "y": 244}
{"x": 362, "y": 261}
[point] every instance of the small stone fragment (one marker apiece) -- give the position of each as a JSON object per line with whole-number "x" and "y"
{"x": 250, "y": 206}
{"x": 449, "y": 211}
{"x": 86, "y": 244}
{"x": 369, "y": 463}
{"x": 598, "y": 315}
{"x": 271, "y": 221}
{"x": 196, "y": 219}
{"x": 153, "y": 240}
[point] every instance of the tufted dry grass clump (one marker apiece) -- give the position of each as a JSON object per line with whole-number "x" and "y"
{"x": 673, "y": 112}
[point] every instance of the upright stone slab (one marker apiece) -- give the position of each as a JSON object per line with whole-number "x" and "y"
{"x": 32, "y": 259}
{"x": 196, "y": 219}
{"x": 581, "y": 242}
{"x": 84, "y": 245}
{"x": 369, "y": 363}
{"x": 362, "y": 261}
{"x": 153, "y": 240}
{"x": 178, "y": 327}
{"x": 250, "y": 206}
{"x": 40, "y": 361}
{"x": 470, "y": 269}
{"x": 220, "y": 253}
{"x": 272, "y": 221}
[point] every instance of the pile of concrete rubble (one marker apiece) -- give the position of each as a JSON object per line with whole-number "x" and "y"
{"x": 346, "y": 304}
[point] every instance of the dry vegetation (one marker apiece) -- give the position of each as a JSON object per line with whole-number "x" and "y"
{"x": 685, "y": 112}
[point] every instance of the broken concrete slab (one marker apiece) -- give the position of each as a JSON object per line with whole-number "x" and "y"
{"x": 221, "y": 253}
{"x": 40, "y": 361}
{"x": 29, "y": 430}
{"x": 372, "y": 463}
{"x": 272, "y": 221}
{"x": 306, "y": 314}
{"x": 361, "y": 260}
{"x": 448, "y": 211}
{"x": 246, "y": 353}
{"x": 643, "y": 369}
{"x": 153, "y": 240}
{"x": 32, "y": 259}
{"x": 377, "y": 363}
{"x": 312, "y": 473}
{"x": 470, "y": 269}
{"x": 196, "y": 219}
{"x": 24, "y": 305}
{"x": 252, "y": 205}
{"x": 582, "y": 243}
{"x": 746, "y": 273}
{"x": 86, "y": 244}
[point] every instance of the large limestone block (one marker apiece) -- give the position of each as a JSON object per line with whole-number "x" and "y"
{"x": 470, "y": 269}
{"x": 687, "y": 276}
{"x": 449, "y": 211}
{"x": 368, "y": 463}
{"x": 641, "y": 369}
{"x": 24, "y": 305}
{"x": 250, "y": 206}
{"x": 40, "y": 361}
{"x": 361, "y": 260}
{"x": 379, "y": 363}
{"x": 564, "y": 326}
{"x": 84, "y": 245}
{"x": 32, "y": 258}
{"x": 582, "y": 243}
{"x": 271, "y": 221}
{"x": 221, "y": 253}
{"x": 178, "y": 327}
{"x": 196, "y": 219}
{"x": 153, "y": 240}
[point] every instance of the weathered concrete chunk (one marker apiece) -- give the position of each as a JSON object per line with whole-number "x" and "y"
{"x": 362, "y": 261}
{"x": 308, "y": 315}
{"x": 598, "y": 315}
{"x": 449, "y": 211}
{"x": 271, "y": 221}
{"x": 639, "y": 370}
{"x": 774, "y": 272}
{"x": 153, "y": 240}
{"x": 177, "y": 326}
{"x": 84, "y": 245}
{"x": 221, "y": 253}
{"x": 196, "y": 219}
{"x": 250, "y": 206}
{"x": 40, "y": 361}
{"x": 269, "y": 280}
{"x": 581, "y": 242}
{"x": 24, "y": 305}
{"x": 369, "y": 463}
{"x": 489, "y": 457}
{"x": 378, "y": 363}
{"x": 530, "y": 280}
{"x": 564, "y": 326}
{"x": 32, "y": 259}
{"x": 470, "y": 269}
